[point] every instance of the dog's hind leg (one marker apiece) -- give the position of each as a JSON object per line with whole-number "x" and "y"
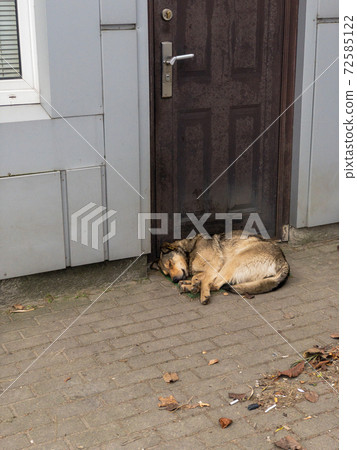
{"x": 263, "y": 285}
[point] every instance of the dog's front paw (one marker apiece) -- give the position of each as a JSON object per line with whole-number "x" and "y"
{"x": 185, "y": 286}
{"x": 204, "y": 300}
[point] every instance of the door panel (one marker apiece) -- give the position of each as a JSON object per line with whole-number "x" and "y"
{"x": 223, "y": 99}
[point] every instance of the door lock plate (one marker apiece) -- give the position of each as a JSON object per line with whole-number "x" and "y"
{"x": 166, "y": 70}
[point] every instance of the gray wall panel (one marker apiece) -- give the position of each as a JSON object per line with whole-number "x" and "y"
{"x": 323, "y": 192}
{"x": 314, "y": 184}
{"x": 327, "y": 8}
{"x": 121, "y": 127}
{"x": 84, "y": 187}
{"x": 44, "y": 145}
{"x": 74, "y": 58}
{"x": 31, "y": 225}
{"x": 118, "y": 12}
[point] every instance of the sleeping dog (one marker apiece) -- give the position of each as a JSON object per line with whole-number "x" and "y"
{"x": 242, "y": 264}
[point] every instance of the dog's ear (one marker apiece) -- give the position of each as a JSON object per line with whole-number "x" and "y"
{"x": 167, "y": 247}
{"x": 154, "y": 265}
{"x": 185, "y": 245}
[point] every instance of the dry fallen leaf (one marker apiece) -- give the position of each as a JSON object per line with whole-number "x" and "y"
{"x": 224, "y": 422}
{"x": 288, "y": 443}
{"x": 23, "y": 310}
{"x": 213, "y": 361}
{"x": 225, "y": 293}
{"x": 169, "y": 401}
{"x": 335, "y": 336}
{"x": 18, "y": 306}
{"x": 170, "y": 377}
{"x": 240, "y": 397}
{"x": 313, "y": 351}
{"x": 311, "y": 396}
{"x": 67, "y": 379}
{"x": 307, "y": 418}
{"x": 294, "y": 371}
{"x": 196, "y": 405}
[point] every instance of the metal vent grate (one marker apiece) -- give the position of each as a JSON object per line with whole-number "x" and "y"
{"x": 10, "y": 64}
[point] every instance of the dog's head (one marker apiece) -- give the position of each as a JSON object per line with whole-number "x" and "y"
{"x": 173, "y": 261}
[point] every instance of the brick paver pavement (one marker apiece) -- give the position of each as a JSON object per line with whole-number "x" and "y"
{"x": 98, "y": 385}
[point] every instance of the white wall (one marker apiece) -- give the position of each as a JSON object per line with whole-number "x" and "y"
{"x": 314, "y": 190}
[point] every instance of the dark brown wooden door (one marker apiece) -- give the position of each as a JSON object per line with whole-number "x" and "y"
{"x": 222, "y": 101}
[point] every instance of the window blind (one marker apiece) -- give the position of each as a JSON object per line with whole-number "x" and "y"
{"x": 10, "y": 64}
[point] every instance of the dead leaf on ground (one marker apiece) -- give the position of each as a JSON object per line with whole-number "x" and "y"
{"x": 225, "y": 293}
{"x": 293, "y": 371}
{"x": 196, "y": 405}
{"x": 67, "y": 379}
{"x": 289, "y": 315}
{"x": 18, "y": 306}
{"x": 335, "y": 336}
{"x": 313, "y": 351}
{"x": 170, "y": 377}
{"x": 288, "y": 443}
{"x": 311, "y": 396}
{"x": 213, "y": 361}
{"x": 168, "y": 402}
{"x": 23, "y": 310}
{"x": 225, "y": 422}
{"x": 240, "y": 397}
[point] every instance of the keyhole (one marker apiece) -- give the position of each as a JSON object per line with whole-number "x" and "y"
{"x": 167, "y": 14}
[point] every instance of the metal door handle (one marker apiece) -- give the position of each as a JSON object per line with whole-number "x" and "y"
{"x": 166, "y": 70}
{"x": 172, "y": 60}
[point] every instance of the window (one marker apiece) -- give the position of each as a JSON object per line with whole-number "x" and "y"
{"x": 18, "y": 62}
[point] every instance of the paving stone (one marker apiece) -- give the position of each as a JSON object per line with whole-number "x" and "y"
{"x": 120, "y": 395}
{"x": 318, "y": 424}
{"x": 133, "y": 339}
{"x": 54, "y": 445}
{"x": 203, "y": 334}
{"x": 162, "y": 344}
{"x": 178, "y": 364}
{"x": 148, "y": 360}
{"x": 112, "y": 333}
{"x": 191, "y": 424}
{"x": 144, "y": 421}
{"x": 76, "y": 408}
{"x": 186, "y": 316}
{"x": 194, "y": 348}
{"x": 185, "y": 443}
{"x": 14, "y": 442}
{"x": 110, "y": 370}
{"x": 87, "y": 350}
{"x": 325, "y": 442}
{"x": 143, "y": 326}
{"x": 325, "y": 403}
{"x": 119, "y": 354}
{"x": 172, "y": 330}
{"x": 135, "y": 442}
{"x": 10, "y": 336}
{"x": 93, "y": 438}
{"x": 110, "y": 414}
{"x": 15, "y": 394}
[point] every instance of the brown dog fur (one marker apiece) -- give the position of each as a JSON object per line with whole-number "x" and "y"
{"x": 250, "y": 265}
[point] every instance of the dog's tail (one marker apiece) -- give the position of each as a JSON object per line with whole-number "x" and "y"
{"x": 263, "y": 285}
